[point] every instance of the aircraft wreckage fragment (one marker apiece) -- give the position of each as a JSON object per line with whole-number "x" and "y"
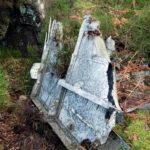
{"x": 83, "y": 105}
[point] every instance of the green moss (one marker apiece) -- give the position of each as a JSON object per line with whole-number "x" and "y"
{"x": 140, "y": 128}
{"x": 136, "y": 132}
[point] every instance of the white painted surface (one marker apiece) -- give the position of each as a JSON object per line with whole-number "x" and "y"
{"x": 35, "y": 70}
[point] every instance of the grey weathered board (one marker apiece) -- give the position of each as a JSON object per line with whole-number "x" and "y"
{"x": 76, "y": 107}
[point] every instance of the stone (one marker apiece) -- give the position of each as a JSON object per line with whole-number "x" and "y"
{"x": 22, "y": 98}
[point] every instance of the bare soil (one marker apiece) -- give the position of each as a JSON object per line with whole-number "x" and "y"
{"x": 22, "y": 128}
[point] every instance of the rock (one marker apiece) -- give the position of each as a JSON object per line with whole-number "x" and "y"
{"x": 29, "y": 15}
{"x": 22, "y": 98}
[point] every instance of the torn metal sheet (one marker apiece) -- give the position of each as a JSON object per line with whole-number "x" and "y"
{"x": 84, "y": 105}
{"x": 114, "y": 142}
{"x": 46, "y": 90}
{"x": 84, "y": 115}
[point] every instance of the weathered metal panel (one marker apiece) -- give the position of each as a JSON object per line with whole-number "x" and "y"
{"x": 76, "y": 107}
{"x": 82, "y": 117}
{"x": 48, "y": 90}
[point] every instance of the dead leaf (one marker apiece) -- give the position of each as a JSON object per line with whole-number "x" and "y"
{"x": 124, "y": 21}
{"x": 135, "y": 137}
{"x": 116, "y": 22}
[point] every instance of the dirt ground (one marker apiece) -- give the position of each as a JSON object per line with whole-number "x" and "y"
{"x": 22, "y": 128}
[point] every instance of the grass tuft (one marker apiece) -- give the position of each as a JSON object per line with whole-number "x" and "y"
{"x": 137, "y": 32}
{"x": 17, "y": 69}
{"x": 4, "y": 98}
